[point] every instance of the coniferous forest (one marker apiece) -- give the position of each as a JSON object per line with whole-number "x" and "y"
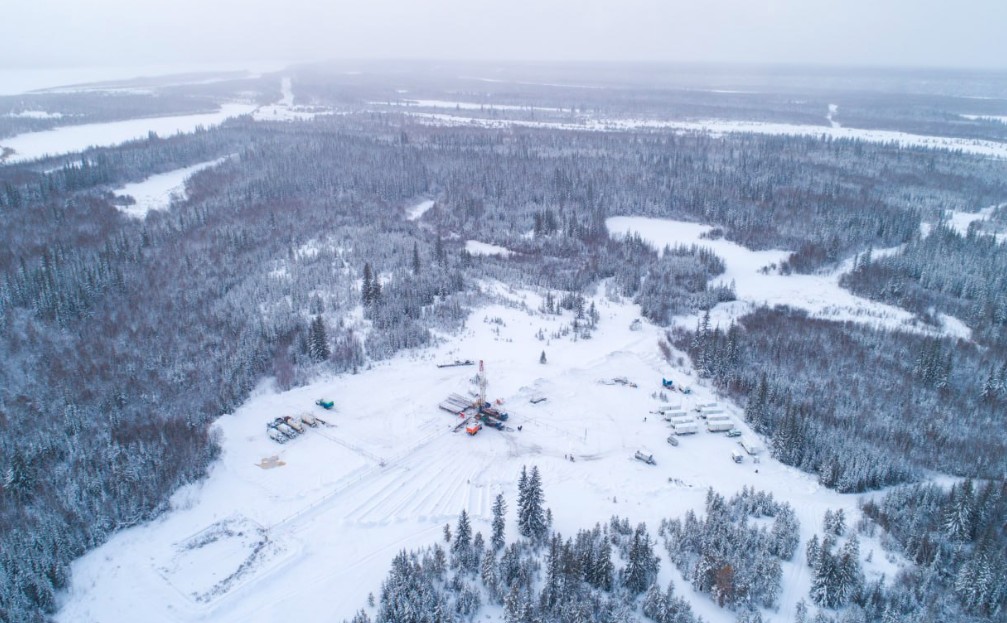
{"x": 123, "y": 339}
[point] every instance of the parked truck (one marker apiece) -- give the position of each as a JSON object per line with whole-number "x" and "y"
{"x": 646, "y": 458}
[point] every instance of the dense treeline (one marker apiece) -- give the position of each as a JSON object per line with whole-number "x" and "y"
{"x": 539, "y": 577}
{"x": 969, "y": 280}
{"x": 953, "y": 540}
{"x": 724, "y": 555}
{"x": 823, "y": 199}
{"x": 861, "y": 407}
{"x": 956, "y": 540}
{"x": 45, "y": 210}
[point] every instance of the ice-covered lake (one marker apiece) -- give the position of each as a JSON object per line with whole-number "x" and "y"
{"x": 73, "y": 138}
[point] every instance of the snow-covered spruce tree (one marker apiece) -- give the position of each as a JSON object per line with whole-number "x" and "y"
{"x": 835, "y": 522}
{"x": 785, "y": 535}
{"x": 360, "y": 617}
{"x": 499, "y": 523}
{"x": 489, "y": 576}
{"x": 642, "y": 565}
{"x": 531, "y": 515}
{"x": 838, "y": 577}
{"x": 318, "y": 340}
{"x": 461, "y": 544}
{"x": 367, "y": 287}
{"x": 408, "y": 595}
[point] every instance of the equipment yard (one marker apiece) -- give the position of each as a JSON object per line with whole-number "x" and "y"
{"x": 387, "y": 471}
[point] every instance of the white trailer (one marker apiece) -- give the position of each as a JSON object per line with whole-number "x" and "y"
{"x": 705, "y": 405}
{"x": 674, "y": 415}
{"x": 751, "y": 446}
{"x": 718, "y": 425}
{"x": 709, "y": 412}
{"x": 684, "y": 427}
{"x": 669, "y": 407}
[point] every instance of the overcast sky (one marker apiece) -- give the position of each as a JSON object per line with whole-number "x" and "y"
{"x": 933, "y": 33}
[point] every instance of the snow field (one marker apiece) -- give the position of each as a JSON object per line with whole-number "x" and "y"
{"x": 284, "y": 110}
{"x": 157, "y": 191}
{"x": 484, "y": 248}
{"x": 960, "y": 221}
{"x": 833, "y": 109}
{"x": 388, "y": 473}
{"x": 416, "y": 212}
{"x": 716, "y": 127}
{"x": 819, "y": 294}
{"x": 488, "y": 106}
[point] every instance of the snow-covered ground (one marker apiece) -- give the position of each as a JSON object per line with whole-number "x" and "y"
{"x": 157, "y": 191}
{"x": 484, "y": 248}
{"x": 487, "y": 106}
{"x": 819, "y": 294}
{"x": 416, "y": 212}
{"x": 35, "y": 114}
{"x": 960, "y": 221}
{"x": 977, "y": 147}
{"x": 833, "y": 109}
{"x": 71, "y": 138}
{"x": 284, "y": 110}
{"x": 308, "y": 534}
{"x": 997, "y": 118}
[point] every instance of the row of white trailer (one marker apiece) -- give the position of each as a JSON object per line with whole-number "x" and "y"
{"x": 684, "y": 422}
{"x": 712, "y": 416}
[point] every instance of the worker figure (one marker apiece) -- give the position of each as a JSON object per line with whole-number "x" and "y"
{"x": 519, "y": 427}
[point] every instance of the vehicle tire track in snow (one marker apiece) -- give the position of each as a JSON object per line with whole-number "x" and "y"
{"x": 393, "y": 479}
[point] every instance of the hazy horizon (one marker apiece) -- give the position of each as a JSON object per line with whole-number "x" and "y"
{"x": 926, "y": 34}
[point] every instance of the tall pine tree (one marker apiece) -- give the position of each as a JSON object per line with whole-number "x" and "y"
{"x": 318, "y": 340}
{"x": 531, "y": 515}
{"x": 499, "y": 523}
